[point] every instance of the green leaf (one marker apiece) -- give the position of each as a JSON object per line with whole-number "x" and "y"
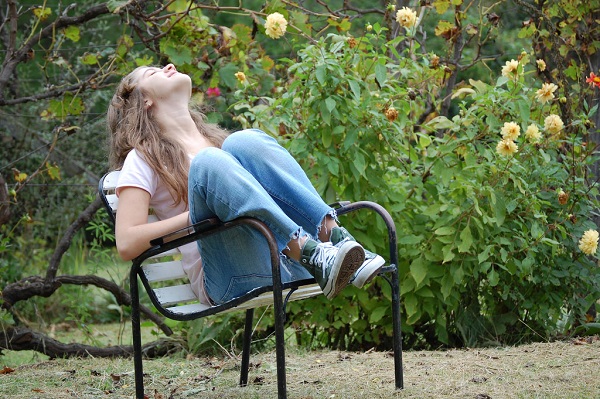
{"x": 499, "y": 210}
{"x": 326, "y": 137}
{"x": 227, "y": 75}
{"x": 360, "y": 163}
{"x": 440, "y": 123}
{"x": 325, "y": 113}
{"x": 482, "y": 257}
{"x": 114, "y": 6}
{"x": 447, "y": 285}
{"x": 448, "y": 253}
{"x": 410, "y": 240}
{"x": 355, "y": 87}
{"x": 178, "y": 53}
{"x": 536, "y": 231}
{"x": 377, "y": 314}
{"x": 89, "y": 59}
{"x": 380, "y": 74}
{"x": 330, "y": 103}
{"x": 411, "y": 304}
{"x": 321, "y": 74}
{"x": 418, "y": 269}
{"x": 72, "y": 33}
{"x": 445, "y": 231}
{"x": 493, "y": 278}
{"x": 466, "y": 240}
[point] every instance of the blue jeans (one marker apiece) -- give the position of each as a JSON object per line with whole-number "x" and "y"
{"x": 251, "y": 175}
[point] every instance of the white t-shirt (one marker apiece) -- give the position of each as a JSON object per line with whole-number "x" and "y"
{"x": 137, "y": 173}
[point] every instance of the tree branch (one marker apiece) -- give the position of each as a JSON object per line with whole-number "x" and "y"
{"x": 18, "y": 338}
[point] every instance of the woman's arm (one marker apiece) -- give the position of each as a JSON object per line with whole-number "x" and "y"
{"x": 132, "y": 230}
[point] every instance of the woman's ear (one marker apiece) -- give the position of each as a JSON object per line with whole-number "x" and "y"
{"x": 147, "y": 103}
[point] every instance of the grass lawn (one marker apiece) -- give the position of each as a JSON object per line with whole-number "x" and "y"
{"x": 562, "y": 369}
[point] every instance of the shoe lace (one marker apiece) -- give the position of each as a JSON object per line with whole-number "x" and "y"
{"x": 324, "y": 255}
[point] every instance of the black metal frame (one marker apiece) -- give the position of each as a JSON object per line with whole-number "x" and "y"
{"x": 213, "y": 226}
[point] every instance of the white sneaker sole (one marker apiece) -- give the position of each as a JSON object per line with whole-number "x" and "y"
{"x": 350, "y": 258}
{"x": 368, "y": 271}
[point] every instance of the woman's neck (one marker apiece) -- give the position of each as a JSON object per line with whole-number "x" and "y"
{"x": 182, "y": 128}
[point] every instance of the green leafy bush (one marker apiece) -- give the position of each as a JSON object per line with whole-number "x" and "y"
{"x": 488, "y": 234}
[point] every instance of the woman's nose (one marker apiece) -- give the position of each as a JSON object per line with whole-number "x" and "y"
{"x": 169, "y": 67}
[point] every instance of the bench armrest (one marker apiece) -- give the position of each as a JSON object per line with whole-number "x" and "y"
{"x": 203, "y": 225}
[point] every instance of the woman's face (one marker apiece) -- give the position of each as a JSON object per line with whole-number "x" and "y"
{"x": 164, "y": 84}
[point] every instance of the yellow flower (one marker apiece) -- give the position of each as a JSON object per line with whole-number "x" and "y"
{"x": 511, "y": 69}
{"x": 546, "y": 93}
{"x": 533, "y": 133}
{"x": 553, "y": 124}
{"x": 511, "y": 131}
{"x": 589, "y": 242}
{"x": 275, "y": 26}
{"x": 506, "y": 147}
{"x": 241, "y": 77}
{"x": 541, "y": 64}
{"x": 406, "y": 17}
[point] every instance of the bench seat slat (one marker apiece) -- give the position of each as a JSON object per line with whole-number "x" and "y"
{"x": 113, "y": 201}
{"x": 175, "y": 294}
{"x": 264, "y": 299}
{"x": 164, "y": 271}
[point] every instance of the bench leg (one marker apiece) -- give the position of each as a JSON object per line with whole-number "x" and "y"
{"x": 397, "y": 330}
{"x": 279, "y": 313}
{"x": 246, "y": 349}
{"x": 137, "y": 336}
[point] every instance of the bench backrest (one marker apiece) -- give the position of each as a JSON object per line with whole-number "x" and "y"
{"x": 165, "y": 275}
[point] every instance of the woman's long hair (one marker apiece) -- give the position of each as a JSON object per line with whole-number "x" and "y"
{"x": 131, "y": 126}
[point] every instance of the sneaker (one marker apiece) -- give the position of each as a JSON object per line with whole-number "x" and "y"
{"x": 370, "y": 267}
{"x": 332, "y": 266}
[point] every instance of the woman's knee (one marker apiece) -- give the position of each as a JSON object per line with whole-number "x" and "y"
{"x": 209, "y": 160}
{"x": 249, "y": 141}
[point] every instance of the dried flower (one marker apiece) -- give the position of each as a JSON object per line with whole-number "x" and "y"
{"x": 406, "y": 17}
{"x": 241, "y": 77}
{"x": 589, "y": 242}
{"x": 391, "y": 114}
{"x": 562, "y": 197}
{"x": 553, "y": 124}
{"x": 546, "y": 93}
{"x": 511, "y": 69}
{"x": 533, "y": 133}
{"x": 541, "y": 65}
{"x": 506, "y": 147}
{"x": 435, "y": 61}
{"x": 352, "y": 42}
{"x": 510, "y": 131}
{"x": 275, "y": 26}
{"x": 593, "y": 80}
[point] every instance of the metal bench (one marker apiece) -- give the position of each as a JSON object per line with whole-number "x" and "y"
{"x": 161, "y": 274}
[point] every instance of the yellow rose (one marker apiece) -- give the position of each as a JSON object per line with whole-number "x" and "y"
{"x": 546, "y": 93}
{"x": 511, "y": 130}
{"x": 241, "y": 77}
{"x": 406, "y": 17}
{"x": 589, "y": 242}
{"x": 275, "y": 26}
{"x": 506, "y": 147}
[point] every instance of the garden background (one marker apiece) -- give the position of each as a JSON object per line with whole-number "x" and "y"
{"x": 473, "y": 122}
